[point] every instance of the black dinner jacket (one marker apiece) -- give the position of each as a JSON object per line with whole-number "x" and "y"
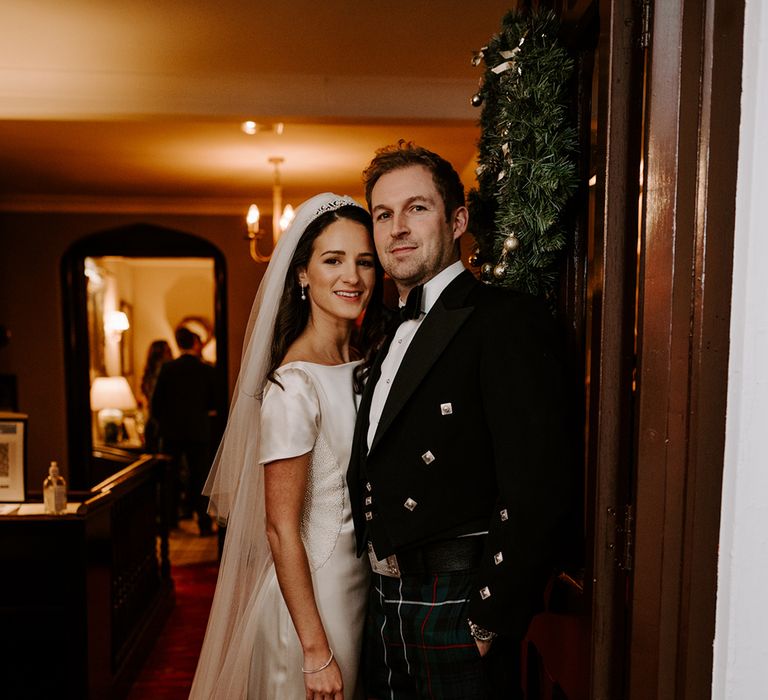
{"x": 473, "y": 433}
{"x": 184, "y": 395}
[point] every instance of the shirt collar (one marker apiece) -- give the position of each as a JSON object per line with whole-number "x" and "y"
{"x": 434, "y": 287}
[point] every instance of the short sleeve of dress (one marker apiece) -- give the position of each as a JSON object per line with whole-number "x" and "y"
{"x": 290, "y": 417}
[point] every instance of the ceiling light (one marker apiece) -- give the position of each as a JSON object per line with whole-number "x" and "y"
{"x": 251, "y": 127}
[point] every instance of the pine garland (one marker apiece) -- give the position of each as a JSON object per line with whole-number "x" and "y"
{"x": 527, "y": 169}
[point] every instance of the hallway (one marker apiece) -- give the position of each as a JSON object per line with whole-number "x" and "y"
{"x": 168, "y": 672}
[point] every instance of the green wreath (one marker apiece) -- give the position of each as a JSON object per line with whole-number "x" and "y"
{"x": 527, "y": 155}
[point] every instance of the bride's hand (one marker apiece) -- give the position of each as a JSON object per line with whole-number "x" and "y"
{"x": 323, "y": 685}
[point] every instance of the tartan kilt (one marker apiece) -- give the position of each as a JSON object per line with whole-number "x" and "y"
{"x": 418, "y": 644}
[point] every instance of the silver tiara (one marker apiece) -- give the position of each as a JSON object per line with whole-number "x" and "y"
{"x": 334, "y": 204}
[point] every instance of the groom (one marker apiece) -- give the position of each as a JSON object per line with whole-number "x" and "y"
{"x": 458, "y": 468}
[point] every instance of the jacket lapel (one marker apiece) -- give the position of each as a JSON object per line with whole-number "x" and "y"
{"x": 360, "y": 439}
{"x": 437, "y": 329}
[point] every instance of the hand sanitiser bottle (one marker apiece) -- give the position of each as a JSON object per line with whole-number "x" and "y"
{"x": 55, "y": 491}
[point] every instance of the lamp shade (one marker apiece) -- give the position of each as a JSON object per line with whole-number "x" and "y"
{"x": 112, "y": 392}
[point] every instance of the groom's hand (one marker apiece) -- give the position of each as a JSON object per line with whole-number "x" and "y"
{"x": 483, "y": 647}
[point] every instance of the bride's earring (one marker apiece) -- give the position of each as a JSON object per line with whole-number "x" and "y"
{"x": 303, "y": 293}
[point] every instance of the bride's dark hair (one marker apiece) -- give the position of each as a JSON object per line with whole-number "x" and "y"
{"x": 293, "y": 312}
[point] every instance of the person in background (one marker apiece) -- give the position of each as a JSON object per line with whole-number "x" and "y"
{"x": 158, "y": 354}
{"x": 182, "y": 403}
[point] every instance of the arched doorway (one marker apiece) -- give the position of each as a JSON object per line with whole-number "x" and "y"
{"x": 105, "y": 273}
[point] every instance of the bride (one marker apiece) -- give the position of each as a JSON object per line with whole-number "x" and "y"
{"x": 287, "y": 616}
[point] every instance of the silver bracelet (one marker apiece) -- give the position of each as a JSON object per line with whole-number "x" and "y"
{"x": 322, "y": 668}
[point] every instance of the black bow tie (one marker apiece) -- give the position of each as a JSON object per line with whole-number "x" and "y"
{"x": 412, "y": 309}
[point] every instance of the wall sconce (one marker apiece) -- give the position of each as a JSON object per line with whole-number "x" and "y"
{"x": 110, "y": 396}
{"x": 279, "y": 222}
{"x": 116, "y": 323}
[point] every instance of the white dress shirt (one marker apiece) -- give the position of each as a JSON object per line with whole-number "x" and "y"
{"x": 397, "y": 349}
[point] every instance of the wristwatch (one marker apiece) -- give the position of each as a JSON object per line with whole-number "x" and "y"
{"x": 480, "y": 634}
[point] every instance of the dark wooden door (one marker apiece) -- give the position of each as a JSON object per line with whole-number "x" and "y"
{"x": 576, "y": 649}
{"x": 690, "y": 157}
{"x": 647, "y": 301}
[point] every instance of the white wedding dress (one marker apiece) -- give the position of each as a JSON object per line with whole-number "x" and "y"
{"x": 314, "y": 412}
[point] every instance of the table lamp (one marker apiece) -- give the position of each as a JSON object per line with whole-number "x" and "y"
{"x": 110, "y": 396}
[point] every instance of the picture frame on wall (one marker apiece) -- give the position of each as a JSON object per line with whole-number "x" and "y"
{"x": 13, "y": 457}
{"x": 126, "y": 342}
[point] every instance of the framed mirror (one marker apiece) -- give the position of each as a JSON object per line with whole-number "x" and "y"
{"x": 126, "y": 291}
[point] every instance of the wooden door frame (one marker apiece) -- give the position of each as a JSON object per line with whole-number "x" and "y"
{"x": 656, "y": 390}
{"x": 692, "y": 119}
{"x": 611, "y": 298}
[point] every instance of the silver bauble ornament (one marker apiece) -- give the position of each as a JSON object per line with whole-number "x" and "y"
{"x": 500, "y": 270}
{"x": 511, "y": 243}
{"x": 477, "y": 100}
{"x": 486, "y": 270}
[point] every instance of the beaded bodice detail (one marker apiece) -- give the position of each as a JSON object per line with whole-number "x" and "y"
{"x": 323, "y": 504}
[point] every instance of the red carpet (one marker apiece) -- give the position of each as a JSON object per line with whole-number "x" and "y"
{"x": 168, "y": 672}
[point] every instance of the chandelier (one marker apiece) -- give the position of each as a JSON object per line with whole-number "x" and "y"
{"x": 280, "y": 221}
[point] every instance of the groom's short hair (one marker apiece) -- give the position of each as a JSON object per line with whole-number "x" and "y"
{"x": 405, "y": 154}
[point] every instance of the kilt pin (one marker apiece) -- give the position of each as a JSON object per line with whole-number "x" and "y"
{"x": 472, "y": 439}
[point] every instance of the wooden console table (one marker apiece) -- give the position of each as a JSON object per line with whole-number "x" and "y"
{"x": 84, "y": 595}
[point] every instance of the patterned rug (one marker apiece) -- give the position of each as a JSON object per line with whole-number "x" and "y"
{"x": 169, "y": 670}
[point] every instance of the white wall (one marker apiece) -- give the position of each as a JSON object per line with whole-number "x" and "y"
{"x": 166, "y": 290}
{"x": 741, "y": 637}
{"x": 161, "y": 292}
